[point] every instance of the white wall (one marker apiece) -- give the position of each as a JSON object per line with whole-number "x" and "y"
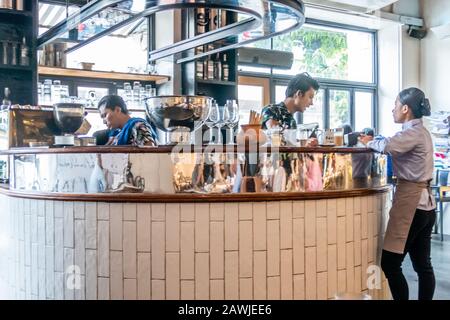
{"x": 435, "y": 53}
{"x": 399, "y": 68}
{"x": 389, "y": 55}
{"x": 435, "y": 64}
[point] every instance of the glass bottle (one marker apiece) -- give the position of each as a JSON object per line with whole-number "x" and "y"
{"x": 5, "y": 50}
{"x": 6, "y": 4}
{"x": 6, "y": 103}
{"x": 218, "y": 68}
{"x": 13, "y": 53}
{"x": 199, "y": 67}
{"x": 225, "y": 69}
{"x": 19, "y": 5}
{"x": 210, "y": 70}
{"x": 24, "y": 53}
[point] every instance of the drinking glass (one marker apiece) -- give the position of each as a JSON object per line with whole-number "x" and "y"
{"x": 302, "y": 137}
{"x": 339, "y": 137}
{"x": 212, "y": 119}
{"x": 232, "y": 109}
{"x": 136, "y": 92}
{"x": 128, "y": 92}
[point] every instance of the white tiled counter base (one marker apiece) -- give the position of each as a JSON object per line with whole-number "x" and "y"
{"x": 266, "y": 250}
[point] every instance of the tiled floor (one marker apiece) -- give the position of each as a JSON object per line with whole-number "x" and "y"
{"x": 440, "y": 258}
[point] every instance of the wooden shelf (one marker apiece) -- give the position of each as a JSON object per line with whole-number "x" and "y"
{"x": 219, "y": 82}
{"x": 78, "y": 73}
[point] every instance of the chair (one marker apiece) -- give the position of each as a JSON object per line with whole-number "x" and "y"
{"x": 441, "y": 197}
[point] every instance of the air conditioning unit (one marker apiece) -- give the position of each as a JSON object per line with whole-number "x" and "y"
{"x": 257, "y": 57}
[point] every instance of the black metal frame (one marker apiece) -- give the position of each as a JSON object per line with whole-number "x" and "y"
{"x": 330, "y": 84}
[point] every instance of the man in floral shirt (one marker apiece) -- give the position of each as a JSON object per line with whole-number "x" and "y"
{"x": 125, "y": 130}
{"x": 299, "y": 96}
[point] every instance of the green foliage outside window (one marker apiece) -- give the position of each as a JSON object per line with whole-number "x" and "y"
{"x": 324, "y": 55}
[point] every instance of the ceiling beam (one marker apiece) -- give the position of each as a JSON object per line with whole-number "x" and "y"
{"x": 63, "y": 2}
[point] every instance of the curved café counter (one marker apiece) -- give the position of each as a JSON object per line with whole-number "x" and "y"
{"x": 192, "y": 223}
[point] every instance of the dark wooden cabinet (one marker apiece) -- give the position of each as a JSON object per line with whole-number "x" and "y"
{"x": 213, "y": 75}
{"x": 18, "y": 66}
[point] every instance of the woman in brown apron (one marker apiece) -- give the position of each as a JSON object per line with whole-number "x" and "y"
{"x": 412, "y": 215}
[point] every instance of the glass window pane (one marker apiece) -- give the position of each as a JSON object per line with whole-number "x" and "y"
{"x": 363, "y": 110}
{"x": 339, "y": 108}
{"x": 315, "y": 112}
{"x": 329, "y": 53}
{"x": 280, "y": 93}
{"x": 249, "y": 98}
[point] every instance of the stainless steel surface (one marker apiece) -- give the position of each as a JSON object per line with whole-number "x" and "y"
{"x": 263, "y": 19}
{"x": 204, "y": 173}
{"x": 169, "y": 113}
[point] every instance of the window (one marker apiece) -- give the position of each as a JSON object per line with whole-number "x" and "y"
{"x": 253, "y": 94}
{"x": 339, "y": 101}
{"x": 315, "y": 112}
{"x": 329, "y": 53}
{"x": 124, "y": 50}
{"x": 363, "y": 110}
{"x": 342, "y": 58}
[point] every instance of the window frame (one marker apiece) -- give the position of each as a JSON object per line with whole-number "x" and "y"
{"x": 330, "y": 84}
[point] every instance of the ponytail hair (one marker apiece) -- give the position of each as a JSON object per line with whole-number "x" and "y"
{"x": 415, "y": 99}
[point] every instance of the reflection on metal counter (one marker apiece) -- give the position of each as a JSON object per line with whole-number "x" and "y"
{"x": 198, "y": 172}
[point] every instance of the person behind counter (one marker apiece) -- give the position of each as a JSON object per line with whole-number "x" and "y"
{"x": 412, "y": 215}
{"x": 299, "y": 96}
{"x": 124, "y": 130}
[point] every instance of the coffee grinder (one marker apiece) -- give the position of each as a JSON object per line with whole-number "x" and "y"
{"x": 69, "y": 118}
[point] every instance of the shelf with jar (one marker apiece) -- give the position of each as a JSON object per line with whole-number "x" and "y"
{"x": 51, "y": 91}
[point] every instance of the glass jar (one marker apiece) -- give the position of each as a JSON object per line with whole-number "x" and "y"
{"x": 275, "y": 136}
{"x": 339, "y": 137}
{"x": 128, "y": 92}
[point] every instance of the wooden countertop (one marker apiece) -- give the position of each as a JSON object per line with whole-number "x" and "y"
{"x": 78, "y": 73}
{"x": 185, "y": 149}
{"x": 191, "y": 197}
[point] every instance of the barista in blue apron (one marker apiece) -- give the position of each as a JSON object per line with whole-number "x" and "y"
{"x": 412, "y": 215}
